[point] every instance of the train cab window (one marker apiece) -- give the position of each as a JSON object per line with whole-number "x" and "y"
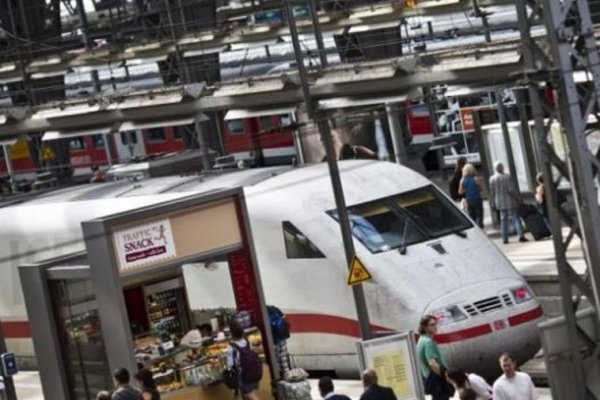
{"x": 98, "y": 141}
{"x": 297, "y": 245}
{"x": 266, "y": 123}
{"x": 286, "y": 119}
{"x": 156, "y": 135}
{"x": 401, "y": 220}
{"x": 432, "y": 211}
{"x": 77, "y": 143}
{"x": 127, "y": 136}
{"x": 236, "y": 126}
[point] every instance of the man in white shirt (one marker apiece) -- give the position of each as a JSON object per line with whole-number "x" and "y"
{"x": 513, "y": 385}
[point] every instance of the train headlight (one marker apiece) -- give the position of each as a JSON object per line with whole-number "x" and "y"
{"x": 521, "y": 294}
{"x": 449, "y": 315}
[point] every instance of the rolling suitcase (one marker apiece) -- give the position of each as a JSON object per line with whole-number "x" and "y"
{"x": 537, "y": 226}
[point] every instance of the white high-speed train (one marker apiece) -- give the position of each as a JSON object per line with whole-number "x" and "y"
{"x": 424, "y": 254}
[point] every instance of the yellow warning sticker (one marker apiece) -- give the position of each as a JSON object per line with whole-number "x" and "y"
{"x": 358, "y": 272}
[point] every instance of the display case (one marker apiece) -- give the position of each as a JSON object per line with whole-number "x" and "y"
{"x": 184, "y": 367}
{"x": 166, "y": 307}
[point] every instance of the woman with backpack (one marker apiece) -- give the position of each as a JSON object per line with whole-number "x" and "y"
{"x": 245, "y": 361}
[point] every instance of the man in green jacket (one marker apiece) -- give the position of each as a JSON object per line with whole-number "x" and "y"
{"x": 433, "y": 366}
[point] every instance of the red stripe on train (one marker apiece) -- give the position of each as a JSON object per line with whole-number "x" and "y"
{"x": 526, "y": 316}
{"x": 330, "y": 324}
{"x": 16, "y": 329}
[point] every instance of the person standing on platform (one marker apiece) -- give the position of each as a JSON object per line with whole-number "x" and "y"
{"x": 146, "y": 382}
{"x": 241, "y": 356}
{"x": 471, "y": 189}
{"x": 540, "y": 196}
{"x": 463, "y": 381}
{"x": 123, "y": 390}
{"x": 454, "y": 184}
{"x": 513, "y": 385}
{"x": 326, "y": 390}
{"x": 505, "y": 198}
{"x": 372, "y": 390}
{"x": 433, "y": 366}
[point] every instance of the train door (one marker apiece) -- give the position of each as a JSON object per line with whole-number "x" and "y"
{"x": 130, "y": 144}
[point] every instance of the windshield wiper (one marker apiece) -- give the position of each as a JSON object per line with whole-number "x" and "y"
{"x": 462, "y": 234}
{"x": 403, "y": 244}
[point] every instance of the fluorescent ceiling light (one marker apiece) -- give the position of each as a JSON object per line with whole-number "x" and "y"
{"x": 66, "y": 134}
{"x": 58, "y": 112}
{"x": 3, "y": 119}
{"x": 51, "y": 74}
{"x": 7, "y": 68}
{"x": 146, "y": 101}
{"x": 145, "y": 60}
{"x": 347, "y": 102}
{"x": 239, "y": 114}
{"x": 45, "y": 62}
{"x": 137, "y": 125}
{"x": 201, "y": 52}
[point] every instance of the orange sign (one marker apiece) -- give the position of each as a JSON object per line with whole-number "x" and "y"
{"x": 19, "y": 150}
{"x": 358, "y": 272}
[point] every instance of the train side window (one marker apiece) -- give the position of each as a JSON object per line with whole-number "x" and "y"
{"x": 236, "y": 126}
{"x": 266, "y": 123}
{"x": 98, "y": 141}
{"x": 286, "y": 119}
{"x": 156, "y": 135}
{"x": 124, "y": 140}
{"x": 77, "y": 143}
{"x": 297, "y": 245}
{"x": 1, "y": 151}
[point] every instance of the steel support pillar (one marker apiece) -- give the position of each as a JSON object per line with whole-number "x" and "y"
{"x": 9, "y": 167}
{"x": 512, "y": 166}
{"x": 318, "y": 33}
{"x": 334, "y": 173}
{"x": 396, "y": 133}
{"x": 569, "y": 45}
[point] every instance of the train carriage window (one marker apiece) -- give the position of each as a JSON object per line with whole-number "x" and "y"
{"x": 156, "y": 135}
{"x": 236, "y": 126}
{"x": 266, "y": 123}
{"x": 77, "y": 143}
{"x": 98, "y": 141}
{"x": 297, "y": 245}
{"x": 286, "y": 119}
{"x": 401, "y": 220}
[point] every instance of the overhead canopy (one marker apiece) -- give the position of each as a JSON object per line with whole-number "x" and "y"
{"x": 239, "y": 114}
{"x": 66, "y": 134}
{"x": 135, "y": 125}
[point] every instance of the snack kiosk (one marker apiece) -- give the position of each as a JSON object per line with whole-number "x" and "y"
{"x": 129, "y": 301}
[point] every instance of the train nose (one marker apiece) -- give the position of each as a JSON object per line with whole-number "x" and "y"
{"x": 478, "y": 323}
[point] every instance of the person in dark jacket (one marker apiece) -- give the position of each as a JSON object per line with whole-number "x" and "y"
{"x": 372, "y": 390}
{"x": 456, "y": 177}
{"x": 326, "y": 390}
{"x": 123, "y": 391}
{"x": 146, "y": 382}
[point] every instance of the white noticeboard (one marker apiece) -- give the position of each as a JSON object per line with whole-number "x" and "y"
{"x": 394, "y": 359}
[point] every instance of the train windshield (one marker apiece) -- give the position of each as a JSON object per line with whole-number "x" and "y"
{"x": 404, "y": 219}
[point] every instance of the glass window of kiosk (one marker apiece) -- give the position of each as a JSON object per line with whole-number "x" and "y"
{"x": 79, "y": 332}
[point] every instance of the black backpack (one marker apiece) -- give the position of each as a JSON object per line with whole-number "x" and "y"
{"x": 250, "y": 367}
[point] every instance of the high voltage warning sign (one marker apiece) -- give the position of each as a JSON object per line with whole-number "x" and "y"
{"x": 358, "y": 272}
